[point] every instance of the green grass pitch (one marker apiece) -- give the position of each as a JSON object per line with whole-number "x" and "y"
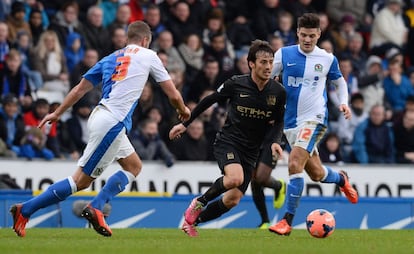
{"x": 82, "y": 240}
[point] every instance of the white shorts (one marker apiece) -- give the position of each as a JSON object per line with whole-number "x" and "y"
{"x": 307, "y": 136}
{"x": 107, "y": 142}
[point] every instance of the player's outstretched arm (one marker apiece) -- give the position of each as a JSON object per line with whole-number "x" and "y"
{"x": 177, "y": 130}
{"x": 184, "y": 115}
{"x": 73, "y": 96}
{"x": 176, "y": 100}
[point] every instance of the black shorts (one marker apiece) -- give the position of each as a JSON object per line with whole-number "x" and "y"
{"x": 265, "y": 156}
{"x": 226, "y": 154}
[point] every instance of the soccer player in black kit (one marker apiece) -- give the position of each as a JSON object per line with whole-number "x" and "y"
{"x": 262, "y": 178}
{"x": 256, "y": 106}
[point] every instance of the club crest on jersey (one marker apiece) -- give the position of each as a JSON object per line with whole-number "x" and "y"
{"x": 318, "y": 67}
{"x": 271, "y": 100}
{"x": 99, "y": 171}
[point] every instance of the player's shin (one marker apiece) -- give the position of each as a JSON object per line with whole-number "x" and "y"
{"x": 259, "y": 200}
{"x": 115, "y": 184}
{"x": 332, "y": 176}
{"x": 212, "y": 211}
{"x": 213, "y": 192}
{"x": 56, "y": 192}
{"x": 294, "y": 193}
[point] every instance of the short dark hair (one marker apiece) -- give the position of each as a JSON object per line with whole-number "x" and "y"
{"x": 68, "y": 4}
{"x": 210, "y": 59}
{"x": 309, "y": 20}
{"x": 9, "y": 99}
{"x": 153, "y": 7}
{"x": 41, "y": 102}
{"x": 257, "y": 46}
{"x": 357, "y": 96}
{"x": 138, "y": 30}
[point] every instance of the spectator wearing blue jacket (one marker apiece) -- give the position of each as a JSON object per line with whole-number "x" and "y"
{"x": 373, "y": 139}
{"x": 109, "y": 8}
{"x": 397, "y": 87}
{"x": 12, "y": 128}
{"x": 37, "y": 5}
{"x": 74, "y": 50}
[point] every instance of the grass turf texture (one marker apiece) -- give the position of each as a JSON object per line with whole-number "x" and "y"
{"x": 45, "y": 240}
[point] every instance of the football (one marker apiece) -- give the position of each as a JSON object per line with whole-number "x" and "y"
{"x": 320, "y": 223}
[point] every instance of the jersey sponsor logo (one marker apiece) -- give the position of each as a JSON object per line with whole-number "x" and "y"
{"x": 230, "y": 156}
{"x": 242, "y": 95}
{"x": 290, "y": 64}
{"x": 318, "y": 67}
{"x": 271, "y": 100}
{"x": 294, "y": 81}
{"x": 300, "y": 81}
{"x": 253, "y": 112}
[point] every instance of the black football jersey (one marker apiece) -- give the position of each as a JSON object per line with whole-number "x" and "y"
{"x": 252, "y": 115}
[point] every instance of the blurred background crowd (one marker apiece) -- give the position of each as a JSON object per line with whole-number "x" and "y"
{"x": 47, "y": 45}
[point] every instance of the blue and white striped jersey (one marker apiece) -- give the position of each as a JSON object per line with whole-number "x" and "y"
{"x": 304, "y": 78}
{"x": 123, "y": 75}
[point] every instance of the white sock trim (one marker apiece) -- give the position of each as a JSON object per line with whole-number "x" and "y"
{"x": 72, "y": 184}
{"x": 298, "y": 175}
{"x": 129, "y": 175}
{"x": 326, "y": 174}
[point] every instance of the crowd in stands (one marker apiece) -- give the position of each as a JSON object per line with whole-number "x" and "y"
{"x": 46, "y": 46}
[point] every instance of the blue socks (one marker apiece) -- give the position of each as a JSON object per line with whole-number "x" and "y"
{"x": 296, "y": 185}
{"x": 294, "y": 192}
{"x": 56, "y": 192}
{"x": 332, "y": 176}
{"x": 115, "y": 184}
{"x": 59, "y": 191}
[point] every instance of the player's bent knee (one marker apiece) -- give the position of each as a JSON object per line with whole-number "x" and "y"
{"x": 233, "y": 182}
{"x": 132, "y": 165}
{"x": 232, "y": 203}
{"x": 133, "y": 170}
{"x": 82, "y": 184}
{"x": 232, "y": 200}
{"x": 295, "y": 167}
{"x": 82, "y": 180}
{"x": 317, "y": 176}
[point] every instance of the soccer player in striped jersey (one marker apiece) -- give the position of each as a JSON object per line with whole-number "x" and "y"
{"x": 123, "y": 75}
{"x": 305, "y": 68}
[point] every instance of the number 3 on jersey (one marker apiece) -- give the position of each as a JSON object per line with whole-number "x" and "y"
{"x": 121, "y": 69}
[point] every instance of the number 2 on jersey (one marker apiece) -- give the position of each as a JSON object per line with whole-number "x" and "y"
{"x": 121, "y": 69}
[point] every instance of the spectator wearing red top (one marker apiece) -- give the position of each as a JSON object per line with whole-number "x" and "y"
{"x": 137, "y": 12}
{"x": 32, "y": 119}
